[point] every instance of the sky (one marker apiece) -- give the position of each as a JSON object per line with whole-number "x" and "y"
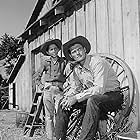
{"x": 14, "y": 15}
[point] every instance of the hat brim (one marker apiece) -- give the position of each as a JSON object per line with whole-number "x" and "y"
{"x": 80, "y": 40}
{"x": 45, "y": 46}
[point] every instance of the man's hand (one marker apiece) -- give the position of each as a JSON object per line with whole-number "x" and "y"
{"x": 41, "y": 87}
{"x": 67, "y": 102}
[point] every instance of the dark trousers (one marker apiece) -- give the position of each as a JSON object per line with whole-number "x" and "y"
{"x": 93, "y": 108}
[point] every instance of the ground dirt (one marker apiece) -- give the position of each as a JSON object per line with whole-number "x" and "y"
{"x": 9, "y": 130}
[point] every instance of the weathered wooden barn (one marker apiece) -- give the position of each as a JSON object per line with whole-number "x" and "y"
{"x": 112, "y": 26}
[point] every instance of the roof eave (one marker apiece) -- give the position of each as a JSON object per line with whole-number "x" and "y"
{"x": 38, "y": 21}
{"x": 35, "y": 13}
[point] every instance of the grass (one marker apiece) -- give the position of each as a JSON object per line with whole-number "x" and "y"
{"x": 10, "y": 131}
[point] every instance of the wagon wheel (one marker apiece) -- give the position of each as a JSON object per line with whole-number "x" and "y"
{"x": 117, "y": 120}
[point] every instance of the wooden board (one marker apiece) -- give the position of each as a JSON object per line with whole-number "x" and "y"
{"x": 91, "y": 25}
{"x": 80, "y": 22}
{"x": 102, "y": 26}
{"x": 115, "y": 28}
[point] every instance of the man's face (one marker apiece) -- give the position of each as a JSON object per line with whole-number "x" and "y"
{"x": 78, "y": 52}
{"x": 53, "y": 50}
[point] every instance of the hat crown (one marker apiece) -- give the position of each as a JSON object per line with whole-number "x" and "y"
{"x": 77, "y": 40}
{"x": 44, "y": 46}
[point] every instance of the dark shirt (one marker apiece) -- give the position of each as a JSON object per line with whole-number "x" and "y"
{"x": 54, "y": 72}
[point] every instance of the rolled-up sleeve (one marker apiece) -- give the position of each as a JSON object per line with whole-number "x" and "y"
{"x": 99, "y": 73}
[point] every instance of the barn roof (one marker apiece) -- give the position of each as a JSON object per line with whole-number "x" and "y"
{"x": 36, "y": 22}
{"x": 42, "y": 20}
{"x": 36, "y": 11}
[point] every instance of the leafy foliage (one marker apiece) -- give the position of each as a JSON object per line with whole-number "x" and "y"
{"x": 10, "y": 49}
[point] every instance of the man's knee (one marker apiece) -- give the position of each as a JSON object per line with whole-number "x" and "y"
{"x": 93, "y": 101}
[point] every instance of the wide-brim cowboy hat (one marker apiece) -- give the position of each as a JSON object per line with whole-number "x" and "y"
{"x": 44, "y": 47}
{"x": 80, "y": 40}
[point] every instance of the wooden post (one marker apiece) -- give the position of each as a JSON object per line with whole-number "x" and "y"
{"x": 14, "y": 95}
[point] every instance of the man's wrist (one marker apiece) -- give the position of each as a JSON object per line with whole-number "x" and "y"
{"x": 75, "y": 97}
{"x": 41, "y": 86}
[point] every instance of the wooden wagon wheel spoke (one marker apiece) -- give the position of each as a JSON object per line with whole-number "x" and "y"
{"x": 120, "y": 73}
{"x": 112, "y": 63}
{"x": 123, "y": 80}
{"x": 117, "y": 68}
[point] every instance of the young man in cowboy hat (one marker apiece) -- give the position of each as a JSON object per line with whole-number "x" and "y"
{"x": 99, "y": 92}
{"x": 53, "y": 68}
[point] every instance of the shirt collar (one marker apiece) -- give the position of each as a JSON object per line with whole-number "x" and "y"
{"x": 48, "y": 58}
{"x": 87, "y": 61}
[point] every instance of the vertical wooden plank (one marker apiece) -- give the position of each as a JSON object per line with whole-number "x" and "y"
{"x": 80, "y": 22}
{"x": 42, "y": 39}
{"x": 91, "y": 25}
{"x": 24, "y": 102}
{"x": 65, "y": 31}
{"x": 36, "y": 62}
{"x": 102, "y": 26}
{"x": 14, "y": 95}
{"x": 46, "y": 35}
{"x": 20, "y": 78}
{"x": 28, "y": 73}
{"x": 58, "y": 30}
{"x": 19, "y": 88}
{"x": 130, "y": 31}
{"x": 131, "y": 46}
{"x": 31, "y": 69}
{"x": 137, "y": 63}
{"x": 55, "y": 32}
{"x": 37, "y": 58}
{"x": 71, "y": 26}
{"x": 116, "y": 36}
{"x": 10, "y": 95}
{"x": 33, "y": 45}
{"x": 52, "y": 33}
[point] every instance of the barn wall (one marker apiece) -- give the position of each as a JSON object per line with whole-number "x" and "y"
{"x": 23, "y": 84}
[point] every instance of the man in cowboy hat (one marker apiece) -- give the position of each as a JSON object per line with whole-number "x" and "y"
{"x": 99, "y": 90}
{"x": 52, "y": 67}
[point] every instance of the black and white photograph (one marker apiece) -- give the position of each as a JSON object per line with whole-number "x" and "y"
{"x": 69, "y": 69}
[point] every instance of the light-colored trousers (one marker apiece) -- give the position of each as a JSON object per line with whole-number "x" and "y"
{"x": 51, "y": 98}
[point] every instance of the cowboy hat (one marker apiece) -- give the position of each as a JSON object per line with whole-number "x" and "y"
{"x": 80, "y": 40}
{"x": 44, "y": 47}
